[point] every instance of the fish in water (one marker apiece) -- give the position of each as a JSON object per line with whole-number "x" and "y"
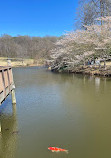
{"x": 7, "y": 129}
{"x": 15, "y": 132}
{"x": 56, "y": 149}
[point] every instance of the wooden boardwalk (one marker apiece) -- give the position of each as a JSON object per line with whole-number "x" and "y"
{"x": 6, "y": 83}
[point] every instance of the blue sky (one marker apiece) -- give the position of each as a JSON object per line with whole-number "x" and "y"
{"x": 37, "y": 17}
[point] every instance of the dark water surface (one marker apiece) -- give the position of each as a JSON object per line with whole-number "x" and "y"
{"x": 67, "y": 111}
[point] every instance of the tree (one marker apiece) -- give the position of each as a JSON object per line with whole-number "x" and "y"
{"x": 81, "y": 44}
{"x": 89, "y": 10}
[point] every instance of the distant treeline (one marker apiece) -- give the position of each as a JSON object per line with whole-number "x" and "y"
{"x": 26, "y": 46}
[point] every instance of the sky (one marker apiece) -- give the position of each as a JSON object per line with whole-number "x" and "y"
{"x": 37, "y": 17}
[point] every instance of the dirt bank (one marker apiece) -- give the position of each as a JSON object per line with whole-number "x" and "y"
{"x": 89, "y": 70}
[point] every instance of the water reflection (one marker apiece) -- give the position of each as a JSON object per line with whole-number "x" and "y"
{"x": 97, "y": 82}
{"x": 8, "y": 135}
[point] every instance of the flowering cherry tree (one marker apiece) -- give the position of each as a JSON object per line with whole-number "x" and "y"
{"x": 81, "y": 44}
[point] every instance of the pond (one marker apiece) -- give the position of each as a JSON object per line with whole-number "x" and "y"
{"x": 62, "y": 110}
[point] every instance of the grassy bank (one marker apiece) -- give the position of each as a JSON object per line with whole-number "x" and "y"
{"x": 19, "y": 62}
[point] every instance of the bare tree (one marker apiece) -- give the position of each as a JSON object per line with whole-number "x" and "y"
{"x": 89, "y": 10}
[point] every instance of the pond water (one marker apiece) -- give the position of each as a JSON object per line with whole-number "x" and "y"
{"x": 67, "y": 111}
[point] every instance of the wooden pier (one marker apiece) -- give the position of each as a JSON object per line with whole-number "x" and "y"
{"x": 6, "y": 84}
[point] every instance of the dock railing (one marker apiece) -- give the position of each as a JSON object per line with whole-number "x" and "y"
{"x": 6, "y": 84}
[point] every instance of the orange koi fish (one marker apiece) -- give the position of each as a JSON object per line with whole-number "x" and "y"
{"x": 56, "y": 149}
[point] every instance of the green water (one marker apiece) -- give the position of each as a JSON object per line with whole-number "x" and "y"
{"x": 67, "y": 111}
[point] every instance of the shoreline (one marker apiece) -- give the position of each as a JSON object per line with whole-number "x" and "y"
{"x": 87, "y": 70}
{"x": 27, "y": 66}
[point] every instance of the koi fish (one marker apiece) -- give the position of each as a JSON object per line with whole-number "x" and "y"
{"x": 6, "y": 129}
{"x": 15, "y": 132}
{"x": 56, "y": 149}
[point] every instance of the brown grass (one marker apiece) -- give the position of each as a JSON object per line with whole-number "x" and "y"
{"x": 16, "y": 62}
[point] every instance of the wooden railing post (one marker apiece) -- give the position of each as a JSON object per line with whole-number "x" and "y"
{"x": 8, "y": 79}
{"x": 13, "y": 97}
{"x": 13, "y": 91}
{"x": 4, "y": 91}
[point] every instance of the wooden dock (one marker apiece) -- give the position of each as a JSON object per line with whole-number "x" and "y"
{"x": 6, "y": 84}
